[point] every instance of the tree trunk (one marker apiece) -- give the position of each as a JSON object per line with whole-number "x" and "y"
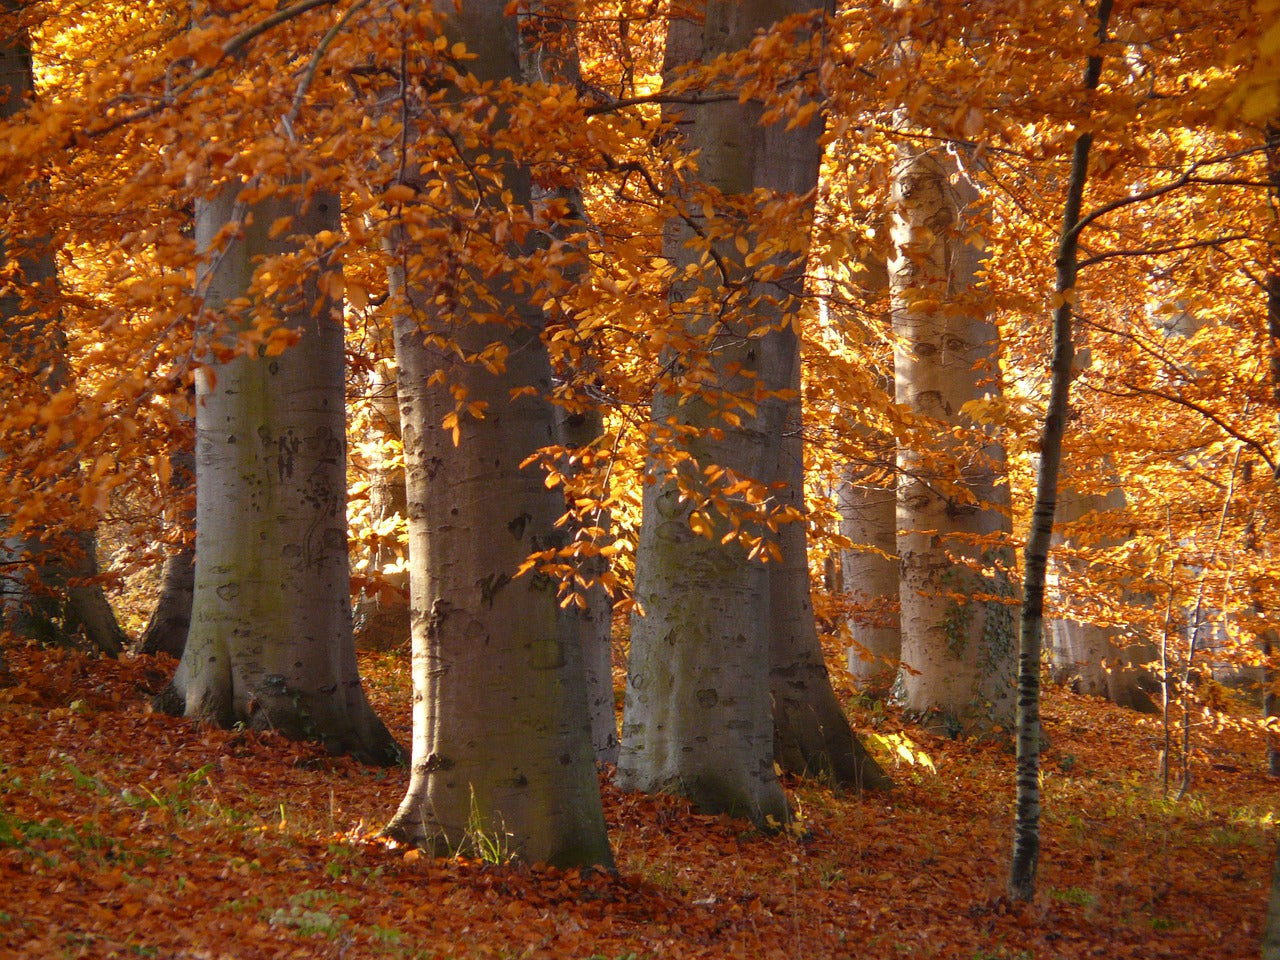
{"x": 1026, "y": 827}
{"x": 502, "y": 760}
{"x": 1270, "y": 636}
{"x": 811, "y": 733}
{"x": 869, "y": 518}
{"x": 696, "y": 720}
{"x": 579, "y": 421}
{"x": 594, "y": 619}
{"x": 957, "y": 633}
{"x": 47, "y": 587}
{"x": 382, "y": 611}
{"x": 1271, "y": 932}
{"x": 166, "y": 631}
{"x": 1089, "y": 657}
{"x": 271, "y": 637}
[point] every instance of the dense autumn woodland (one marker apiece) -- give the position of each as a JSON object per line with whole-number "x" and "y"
{"x": 639, "y": 479}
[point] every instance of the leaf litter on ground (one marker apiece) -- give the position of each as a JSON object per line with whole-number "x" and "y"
{"x": 125, "y": 833}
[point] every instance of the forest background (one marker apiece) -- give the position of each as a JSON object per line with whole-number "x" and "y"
{"x": 663, "y": 291}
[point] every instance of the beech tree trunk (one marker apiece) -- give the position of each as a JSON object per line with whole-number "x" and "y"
{"x": 166, "y": 631}
{"x": 579, "y": 421}
{"x": 869, "y": 518}
{"x": 502, "y": 759}
{"x": 47, "y": 588}
{"x": 812, "y": 736}
{"x": 957, "y": 646}
{"x": 1090, "y": 658}
{"x": 594, "y": 621}
{"x": 382, "y": 613}
{"x": 271, "y": 642}
{"x": 697, "y": 715}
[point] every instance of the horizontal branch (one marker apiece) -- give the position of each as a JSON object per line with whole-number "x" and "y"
{"x": 1154, "y": 251}
{"x": 1258, "y": 446}
{"x": 1185, "y": 179}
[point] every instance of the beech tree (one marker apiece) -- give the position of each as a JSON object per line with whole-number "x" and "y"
{"x": 811, "y": 733}
{"x": 382, "y": 609}
{"x": 271, "y": 642}
{"x": 166, "y": 631}
{"x": 502, "y": 742}
{"x": 869, "y": 572}
{"x": 1093, "y": 658}
{"x": 957, "y": 633}
{"x": 551, "y": 56}
{"x": 48, "y": 589}
{"x": 695, "y": 719}
{"x": 509, "y": 221}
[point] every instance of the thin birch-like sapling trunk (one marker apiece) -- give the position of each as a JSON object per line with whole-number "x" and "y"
{"x": 1026, "y": 835}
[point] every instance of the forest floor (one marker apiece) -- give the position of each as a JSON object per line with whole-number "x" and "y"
{"x": 124, "y": 833}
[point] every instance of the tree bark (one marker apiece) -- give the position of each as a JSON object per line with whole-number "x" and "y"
{"x": 811, "y": 734}
{"x": 579, "y": 420}
{"x": 1270, "y": 636}
{"x": 1271, "y": 932}
{"x": 382, "y": 612}
{"x": 957, "y": 629}
{"x": 1026, "y": 829}
{"x": 1089, "y": 657}
{"x": 502, "y": 760}
{"x": 868, "y": 517}
{"x": 271, "y": 642}
{"x": 696, "y": 720}
{"x": 593, "y": 620}
{"x": 166, "y": 631}
{"x": 48, "y": 590}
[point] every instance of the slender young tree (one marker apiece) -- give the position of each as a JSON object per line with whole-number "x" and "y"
{"x": 1026, "y": 834}
{"x": 1271, "y": 638}
{"x": 502, "y": 756}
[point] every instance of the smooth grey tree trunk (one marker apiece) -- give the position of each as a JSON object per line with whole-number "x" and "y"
{"x": 502, "y": 759}
{"x": 1091, "y": 658}
{"x": 47, "y": 586}
{"x": 869, "y": 570}
{"x": 593, "y": 620}
{"x": 697, "y": 715}
{"x": 811, "y": 734}
{"x": 958, "y": 638}
{"x": 270, "y": 644}
{"x": 382, "y": 612}
{"x": 166, "y": 631}
{"x": 579, "y": 420}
